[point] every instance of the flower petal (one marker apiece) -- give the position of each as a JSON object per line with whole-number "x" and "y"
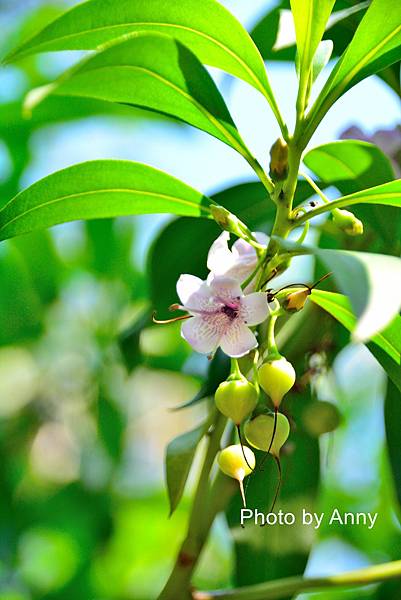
{"x": 220, "y": 257}
{"x": 254, "y": 308}
{"x": 238, "y": 340}
{"x": 242, "y": 249}
{"x": 203, "y": 333}
{"x": 188, "y": 285}
{"x": 226, "y": 289}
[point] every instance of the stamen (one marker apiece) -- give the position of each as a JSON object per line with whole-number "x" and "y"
{"x": 167, "y": 321}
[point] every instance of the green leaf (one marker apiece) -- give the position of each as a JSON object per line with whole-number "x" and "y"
{"x": 206, "y": 28}
{"x": 385, "y": 346}
{"x": 392, "y": 415}
{"x": 375, "y": 46}
{"x": 389, "y": 339}
{"x": 388, "y": 194}
{"x": 310, "y": 18}
{"x": 180, "y": 453}
{"x": 99, "y": 189}
{"x": 352, "y": 165}
{"x": 349, "y": 165}
{"x": 218, "y": 371}
{"x": 321, "y": 58}
{"x": 371, "y": 281}
{"x": 155, "y": 72}
{"x": 111, "y": 425}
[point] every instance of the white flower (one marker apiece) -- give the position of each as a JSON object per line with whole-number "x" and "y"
{"x": 221, "y": 314}
{"x": 239, "y": 262}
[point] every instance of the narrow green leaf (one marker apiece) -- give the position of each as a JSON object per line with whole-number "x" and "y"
{"x": 111, "y": 425}
{"x": 321, "y": 58}
{"x": 310, "y": 18}
{"x": 375, "y": 45}
{"x": 180, "y": 453}
{"x": 392, "y": 415}
{"x": 151, "y": 71}
{"x": 371, "y": 281}
{"x": 340, "y": 308}
{"x": 206, "y": 27}
{"x": 218, "y": 371}
{"x": 353, "y": 165}
{"x": 388, "y": 194}
{"x": 99, "y": 189}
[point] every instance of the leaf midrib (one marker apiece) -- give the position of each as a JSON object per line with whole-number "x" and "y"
{"x": 239, "y": 60}
{"x": 101, "y": 191}
{"x": 231, "y": 140}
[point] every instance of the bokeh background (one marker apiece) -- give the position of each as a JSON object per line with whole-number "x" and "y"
{"x": 87, "y": 384}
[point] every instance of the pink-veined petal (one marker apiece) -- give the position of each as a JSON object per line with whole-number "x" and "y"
{"x": 203, "y": 334}
{"x": 220, "y": 257}
{"x": 254, "y": 308}
{"x": 226, "y": 289}
{"x": 238, "y": 340}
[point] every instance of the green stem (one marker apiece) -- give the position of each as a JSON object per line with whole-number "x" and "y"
{"x": 264, "y": 178}
{"x": 295, "y": 585}
{"x": 315, "y": 187}
{"x": 200, "y": 521}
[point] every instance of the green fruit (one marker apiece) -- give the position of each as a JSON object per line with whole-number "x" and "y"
{"x": 236, "y": 399}
{"x": 259, "y": 433}
{"x": 321, "y": 417}
{"x": 276, "y": 378}
{"x": 232, "y": 462}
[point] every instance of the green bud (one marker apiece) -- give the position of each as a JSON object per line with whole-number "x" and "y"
{"x": 229, "y": 222}
{"x": 276, "y": 377}
{"x": 279, "y": 160}
{"x": 259, "y": 433}
{"x": 236, "y": 399}
{"x": 321, "y": 417}
{"x": 347, "y": 222}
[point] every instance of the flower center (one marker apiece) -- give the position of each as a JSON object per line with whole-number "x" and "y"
{"x": 232, "y": 313}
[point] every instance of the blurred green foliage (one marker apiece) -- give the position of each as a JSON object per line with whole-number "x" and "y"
{"x": 86, "y": 381}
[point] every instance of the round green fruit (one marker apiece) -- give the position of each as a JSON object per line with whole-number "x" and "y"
{"x": 232, "y": 462}
{"x": 276, "y": 377}
{"x": 236, "y": 399}
{"x": 259, "y": 433}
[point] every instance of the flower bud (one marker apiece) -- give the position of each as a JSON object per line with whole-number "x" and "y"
{"x": 232, "y": 462}
{"x": 347, "y": 222}
{"x": 296, "y": 300}
{"x": 321, "y": 417}
{"x": 259, "y": 433}
{"x": 279, "y": 160}
{"x": 236, "y": 399}
{"x": 229, "y": 222}
{"x": 276, "y": 377}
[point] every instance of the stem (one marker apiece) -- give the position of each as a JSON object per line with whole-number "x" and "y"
{"x": 264, "y": 178}
{"x": 294, "y": 585}
{"x": 200, "y": 521}
{"x": 315, "y": 187}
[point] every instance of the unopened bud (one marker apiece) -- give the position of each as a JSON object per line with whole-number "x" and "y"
{"x": 347, "y": 222}
{"x": 279, "y": 160}
{"x": 229, "y": 222}
{"x": 296, "y": 300}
